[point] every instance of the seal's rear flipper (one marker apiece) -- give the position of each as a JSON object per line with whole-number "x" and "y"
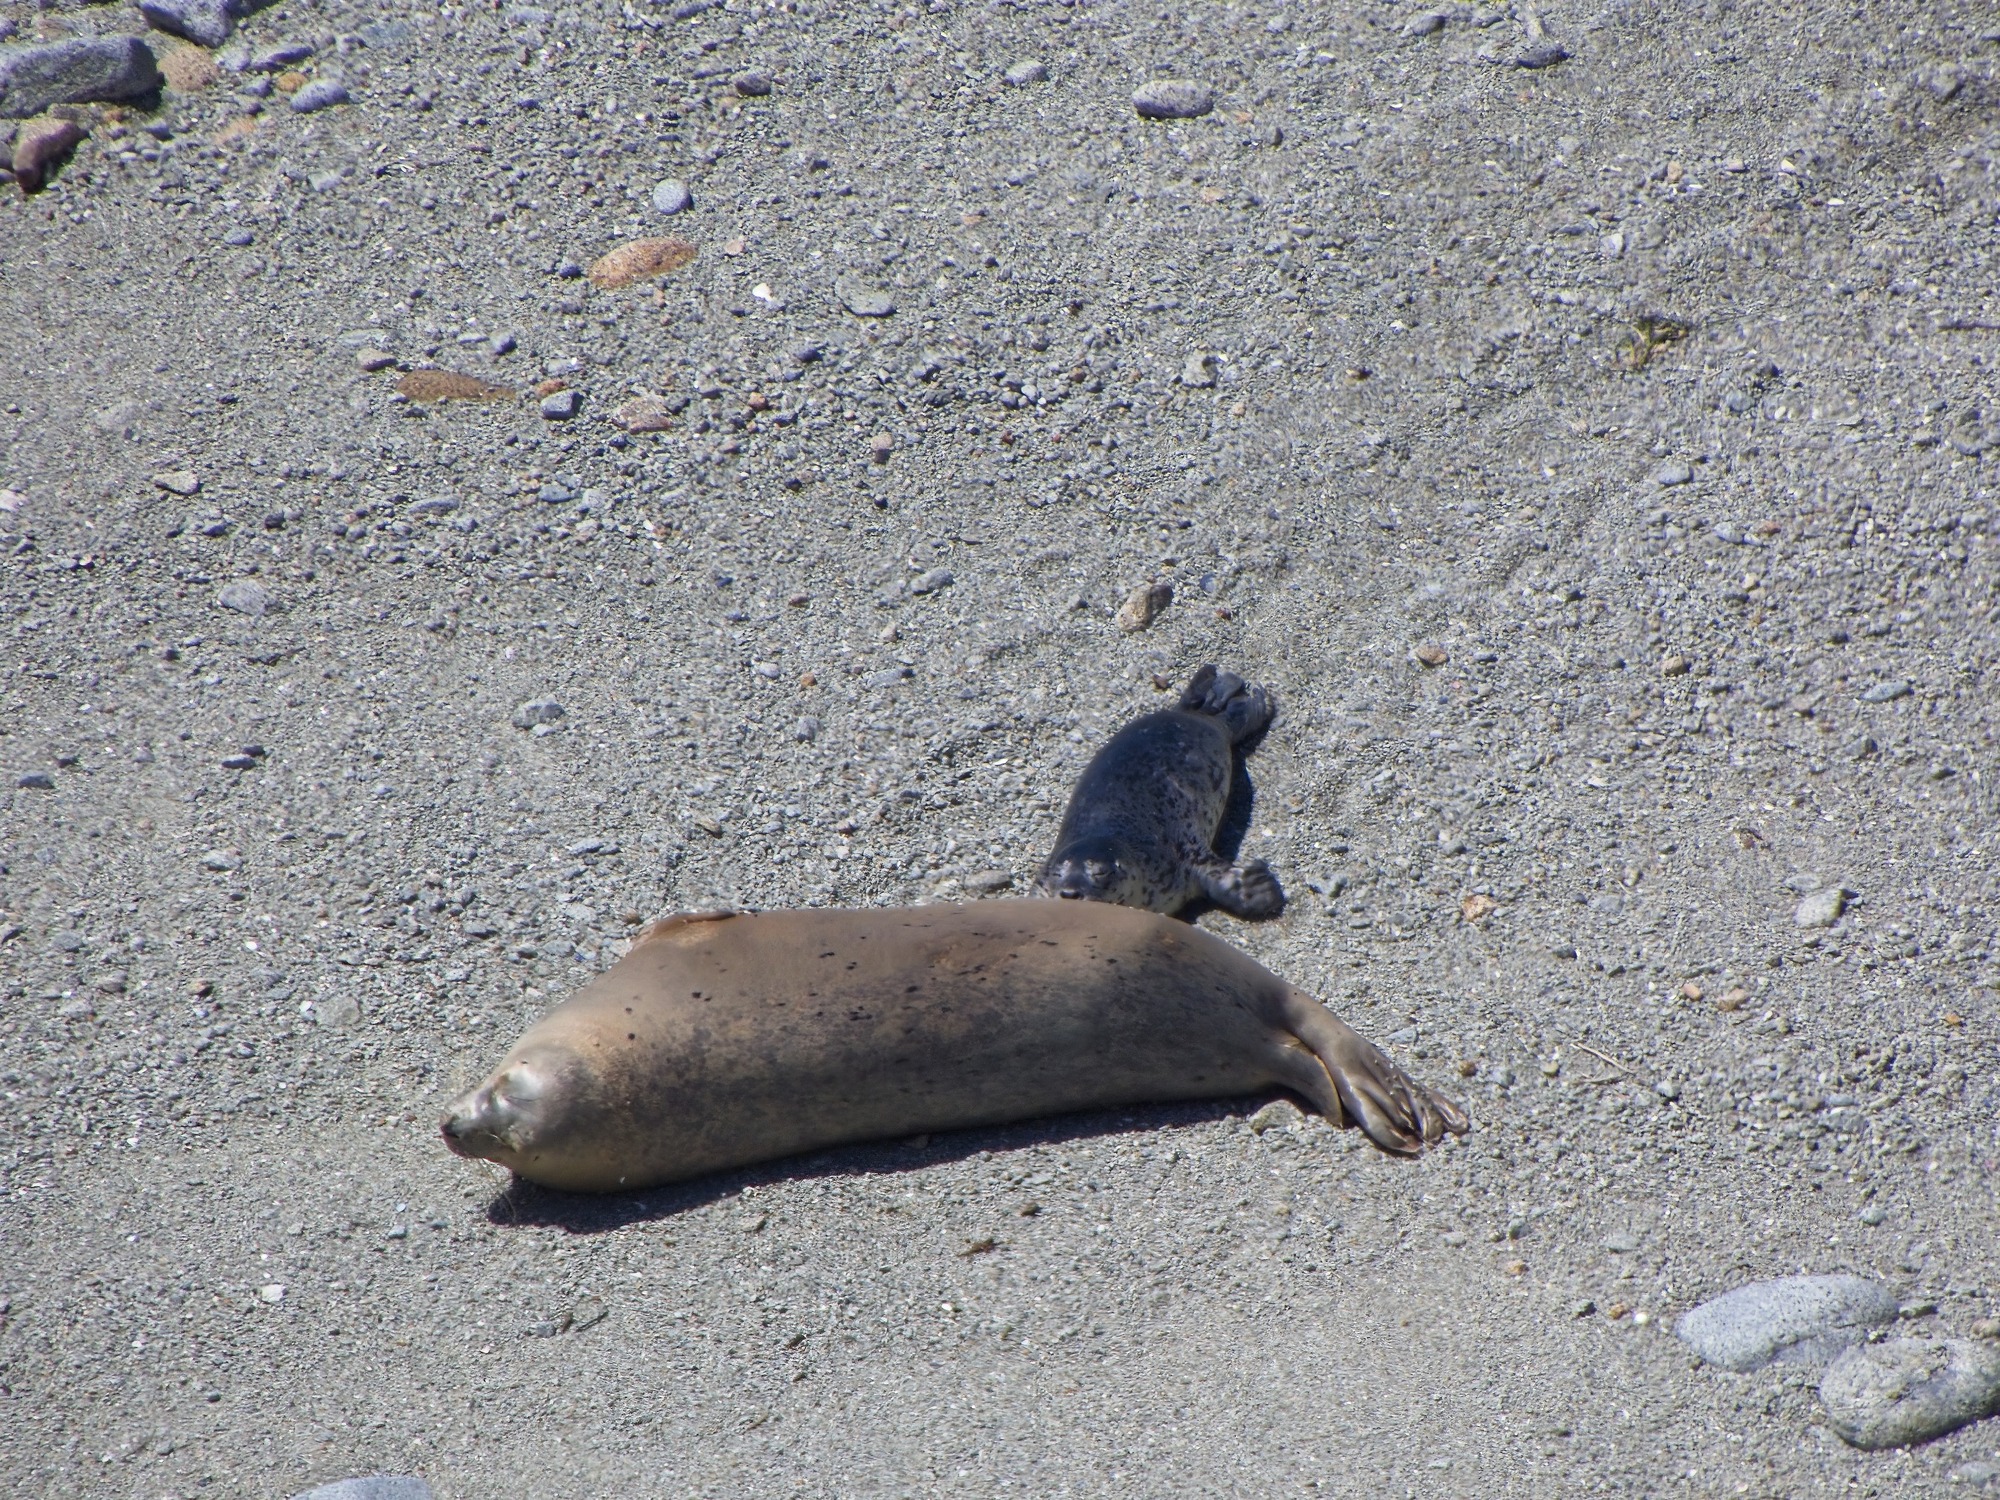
{"x": 1242, "y": 708}
{"x": 1349, "y": 1080}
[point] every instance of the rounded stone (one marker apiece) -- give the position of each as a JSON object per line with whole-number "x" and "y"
{"x": 1172, "y": 99}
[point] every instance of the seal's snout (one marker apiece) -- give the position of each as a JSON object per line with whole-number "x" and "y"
{"x": 488, "y": 1121}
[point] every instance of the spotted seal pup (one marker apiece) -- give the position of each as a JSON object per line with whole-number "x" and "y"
{"x": 1141, "y": 825}
{"x": 733, "y": 1038}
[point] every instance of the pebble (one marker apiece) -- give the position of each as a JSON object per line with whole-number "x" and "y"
{"x": 1904, "y": 1391}
{"x": 1025, "y": 72}
{"x": 321, "y": 93}
{"x": 863, "y": 300}
{"x": 560, "y": 406}
{"x": 1822, "y": 908}
{"x": 82, "y": 70}
{"x": 751, "y": 84}
{"x": 1427, "y": 24}
{"x": 1886, "y": 692}
{"x": 373, "y": 360}
{"x": 932, "y": 582}
{"x": 40, "y": 147}
{"x": 387, "y": 33}
{"x": 638, "y": 261}
{"x": 1198, "y": 371}
{"x": 1543, "y": 54}
{"x": 988, "y": 882}
{"x": 806, "y": 730}
{"x": 1672, "y": 473}
{"x": 887, "y": 678}
{"x": 881, "y": 446}
{"x": 178, "y": 482}
{"x": 1143, "y": 606}
{"x": 644, "y": 414}
{"x": 207, "y": 23}
{"x": 538, "y": 711}
{"x": 371, "y": 1487}
{"x": 1675, "y": 666}
{"x": 672, "y": 197}
{"x": 449, "y": 385}
{"x": 246, "y": 596}
{"x": 1793, "y": 1320}
{"x": 277, "y": 59}
{"x": 222, "y": 860}
{"x": 1172, "y": 99}
{"x": 35, "y": 781}
{"x": 1278, "y": 1114}
{"x": 68, "y": 940}
{"x": 1431, "y": 654}
{"x": 1978, "y": 1475}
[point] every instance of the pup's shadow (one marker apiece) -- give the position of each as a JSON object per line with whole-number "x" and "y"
{"x": 1237, "y": 815}
{"x": 522, "y": 1203}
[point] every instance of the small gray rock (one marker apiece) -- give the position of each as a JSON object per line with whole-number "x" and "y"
{"x": 321, "y": 93}
{"x": 561, "y": 406}
{"x": 1199, "y": 370}
{"x": 888, "y": 678}
{"x": 1172, "y": 99}
{"x": 1429, "y": 23}
{"x": 246, "y": 596}
{"x": 1822, "y": 908}
{"x": 1904, "y": 1391}
{"x": 672, "y": 197}
{"x": 372, "y": 1487}
{"x": 806, "y": 730}
{"x": 1793, "y": 1320}
{"x": 751, "y": 84}
{"x": 1672, "y": 473}
{"x": 277, "y": 59}
{"x": 863, "y": 300}
{"x": 1542, "y": 54}
{"x": 1886, "y": 692}
{"x": 207, "y": 22}
{"x": 1025, "y": 72}
{"x": 538, "y": 711}
{"x": 987, "y": 882}
{"x": 68, "y": 940}
{"x": 387, "y": 33}
{"x": 932, "y": 582}
{"x": 222, "y": 860}
{"x": 83, "y": 70}
{"x": 36, "y": 781}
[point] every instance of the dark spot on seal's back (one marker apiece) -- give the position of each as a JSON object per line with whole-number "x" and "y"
{"x": 631, "y": 1036}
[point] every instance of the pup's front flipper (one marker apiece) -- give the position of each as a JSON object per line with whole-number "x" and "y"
{"x": 1248, "y": 890}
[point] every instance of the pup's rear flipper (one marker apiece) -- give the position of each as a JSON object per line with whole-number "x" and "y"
{"x": 1242, "y": 708}
{"x": 1350, "y": 1080}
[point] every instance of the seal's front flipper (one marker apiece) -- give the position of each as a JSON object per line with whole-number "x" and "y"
{"x": 1349, "y": 1079}
{"x": 1248, "y": 890}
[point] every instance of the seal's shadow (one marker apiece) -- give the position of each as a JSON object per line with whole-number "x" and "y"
{"x": 523, "y": 1204}
{"x": 1237, "y": 815}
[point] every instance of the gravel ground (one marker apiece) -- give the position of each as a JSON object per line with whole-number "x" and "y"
{"x": 1592, "y": 457}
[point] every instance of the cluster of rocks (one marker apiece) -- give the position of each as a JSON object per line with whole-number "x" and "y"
{"x": 1878, "y": 1392}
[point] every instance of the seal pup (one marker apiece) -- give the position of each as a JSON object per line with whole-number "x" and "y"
{"x": 1140, "y": 828}
{"x": 731, "y": 1038}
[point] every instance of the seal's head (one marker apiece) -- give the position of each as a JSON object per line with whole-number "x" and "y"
{"x": 1094, "y": 869}
{"x": 499, "y": 1120}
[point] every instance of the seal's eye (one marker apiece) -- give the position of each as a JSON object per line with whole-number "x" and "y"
{"x": 1102, "y": 873}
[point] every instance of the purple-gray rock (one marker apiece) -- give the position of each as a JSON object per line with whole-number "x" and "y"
{"x": 1793, "y": 1320}
{"x": 277, "y": 59}
{"x": 672, "y": 197}
{"x": 536, "y": 712}
{"x": 1904, "y": 1391}
{"x": 751, "y": 85}
{"x": 319, "y": 94}
{"x": 371, "y": 1487}
{"x": 1172, "y": 99}
{"x": 1543, "y": 54}
{"x": 246, "y": 596}
{"x": 206, "y": 22}
{"x": 83, "y": 70}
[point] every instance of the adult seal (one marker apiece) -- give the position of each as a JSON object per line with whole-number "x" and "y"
{"x": 724, "y": 1040}
{"x": 1140, "y": 828}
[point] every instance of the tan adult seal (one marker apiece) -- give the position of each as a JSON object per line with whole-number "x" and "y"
{"x": 735, "y": 1038}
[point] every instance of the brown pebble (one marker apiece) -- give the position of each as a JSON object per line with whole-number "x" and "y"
{"x": 550, "y": 387}
{"x": 449, "y": 385}
{"x": 1430, "y": 654}
{"x": 1515, "y": 1268}
{"x": 806, "y": 680}
{"x": 289, "y": 82}
{"x": 1691, "y": 991}
{"x": 644, "y": 414}
{"x": 639, "y": 260}
{"x": 759, "y": 401}
{"x": 40, "y": 147}
{"x": 1675, "y": 666}
{"x": 881, "y": 446}
{"x": 1732, "y": 999}
{"x": 237, "y": 129}
{"x": 188, "y": 69}
{"x": 1477, "y": 908}
{"x": 1143, "y": 606}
